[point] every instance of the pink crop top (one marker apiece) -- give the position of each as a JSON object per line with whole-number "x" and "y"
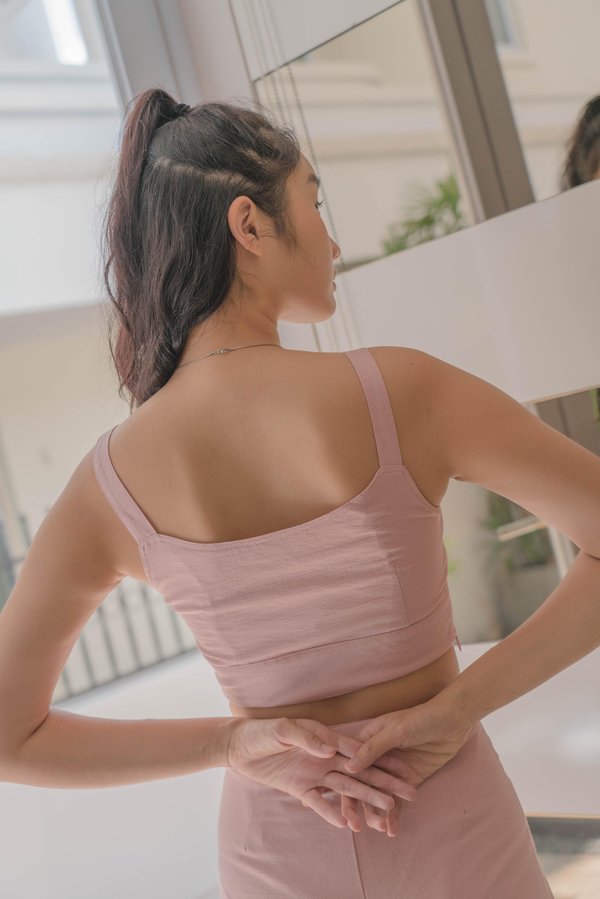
{"x": 354, "y": 597}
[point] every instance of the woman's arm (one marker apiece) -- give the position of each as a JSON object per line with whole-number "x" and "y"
{"x": 488, "y": 438}
{"x": 564, "y": 629}
{"x": 484, "y": 436}
{"x": 80, "y": 752}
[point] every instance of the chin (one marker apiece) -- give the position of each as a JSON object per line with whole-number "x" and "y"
{"x": 326, "y": 315}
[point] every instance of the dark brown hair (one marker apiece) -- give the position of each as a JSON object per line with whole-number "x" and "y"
{"x": 166, "y": 241}
{"x": 583, "y": 156}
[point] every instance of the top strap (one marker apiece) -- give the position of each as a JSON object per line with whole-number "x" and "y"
{"x": 378, "y": 401}
{"x": 117, "y": 494}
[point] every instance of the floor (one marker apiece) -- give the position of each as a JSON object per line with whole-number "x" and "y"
{"x": 569, "y": 851}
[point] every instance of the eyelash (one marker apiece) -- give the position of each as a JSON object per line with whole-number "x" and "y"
{"x": 320, "y": 203}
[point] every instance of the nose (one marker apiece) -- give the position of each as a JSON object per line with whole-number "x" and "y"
{"x": 336, "y": 250}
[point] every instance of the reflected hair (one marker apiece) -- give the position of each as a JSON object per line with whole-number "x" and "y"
{"x": 168, "y": 254}
{"x": 583, "y": 147}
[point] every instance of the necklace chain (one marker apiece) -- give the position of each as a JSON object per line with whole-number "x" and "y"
{"x": 228, "y": 350}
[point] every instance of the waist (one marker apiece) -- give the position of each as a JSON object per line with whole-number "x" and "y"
{"x": 369, "y": 702}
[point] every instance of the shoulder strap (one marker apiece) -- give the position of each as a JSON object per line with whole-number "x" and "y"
{"x": 117, "y": 494}
{"x": 382, "y": 416}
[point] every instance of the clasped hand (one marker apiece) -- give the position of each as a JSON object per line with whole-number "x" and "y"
{"x": 306, "y": 759}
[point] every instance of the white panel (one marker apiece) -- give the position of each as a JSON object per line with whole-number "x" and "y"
{"x": 273, "y": 32}
{"x": 513, "y": 300}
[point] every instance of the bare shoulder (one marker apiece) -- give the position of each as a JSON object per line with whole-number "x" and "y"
{"x": 402, "y": 367}
{"x": 82, "y": 509}
{"x": 408, "y": 375}
{"x": 488, "y": 437}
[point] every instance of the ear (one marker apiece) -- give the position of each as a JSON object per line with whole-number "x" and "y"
{"x": 243, "y": 218}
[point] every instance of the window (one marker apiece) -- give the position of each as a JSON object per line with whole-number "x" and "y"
{"x": 43, "y": 30}
{"x": 502, "y": 22}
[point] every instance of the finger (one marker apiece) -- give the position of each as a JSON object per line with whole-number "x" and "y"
{"x": 349, "y": 809}
{"x": 306, "y": 732}
{"x": 384, "y": 821}
{"x": 344, "y": 744}
{"x": 326, "y": 810}
{"x": 389, "y": 783}
{"x": 393, "y": 819}
{"x": 372, "y": 727}
{"x": 370, "y": 751}
{"x": 391, "y": 759}
{"x": 400, "y": 787}
{"x": 307, "y": 735}
{"x": 348, "y": 746}
{"x": 392, "y": 762}
{"x": 349, "y": 786}
{"x": 384, "y": 781}
{"x": 374, "y": 818}
{"x": 387, "y": 822}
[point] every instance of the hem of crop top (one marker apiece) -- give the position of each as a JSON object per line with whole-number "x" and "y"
{"x": 293, "y": 529}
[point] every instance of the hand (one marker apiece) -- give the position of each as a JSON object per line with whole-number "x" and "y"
{"x": 289, "y": 755}
{"x": 426, "y": 736}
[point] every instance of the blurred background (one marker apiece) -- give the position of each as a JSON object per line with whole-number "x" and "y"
{"x": 441, "y": 132}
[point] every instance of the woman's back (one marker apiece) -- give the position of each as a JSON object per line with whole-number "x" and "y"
{"x": 232, "y": 494}
{"x": 260, "y": 443}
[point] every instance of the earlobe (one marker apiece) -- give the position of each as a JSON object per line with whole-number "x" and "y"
{"x": 250, "y": 239}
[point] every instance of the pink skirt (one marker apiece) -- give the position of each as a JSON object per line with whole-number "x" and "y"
{"x": 465, "y": 836}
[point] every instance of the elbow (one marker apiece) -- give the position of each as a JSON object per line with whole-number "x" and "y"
{"x": 592, "y": 555}
{"x": 11, "y": 760}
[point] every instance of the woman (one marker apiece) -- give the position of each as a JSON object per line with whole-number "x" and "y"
{"x": 582, "y": 160}
{"x": 237, "y": 489}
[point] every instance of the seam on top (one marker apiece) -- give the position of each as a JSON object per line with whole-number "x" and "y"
{"x": 294, "y": 652}
{"x": 413, "y": 485}
{"x": 145, "y": 557}
{"x": 282, "y": 533}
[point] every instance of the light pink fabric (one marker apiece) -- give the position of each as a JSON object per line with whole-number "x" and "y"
{"x": 354, "y": 597}
{"x": 464, "y": 837}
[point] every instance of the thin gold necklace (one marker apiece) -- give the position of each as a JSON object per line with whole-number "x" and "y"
{"x": 227, "y": 350}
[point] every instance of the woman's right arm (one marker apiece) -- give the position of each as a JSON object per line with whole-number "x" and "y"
{"x": 69, "y": 569}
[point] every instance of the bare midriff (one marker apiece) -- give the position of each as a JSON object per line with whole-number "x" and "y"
{"x": 368, "y": 702}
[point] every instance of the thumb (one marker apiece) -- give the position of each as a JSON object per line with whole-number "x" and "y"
{"x": 370, "y": 751}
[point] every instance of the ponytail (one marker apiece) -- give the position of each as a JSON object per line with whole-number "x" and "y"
{"x": 169, "y": 257}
